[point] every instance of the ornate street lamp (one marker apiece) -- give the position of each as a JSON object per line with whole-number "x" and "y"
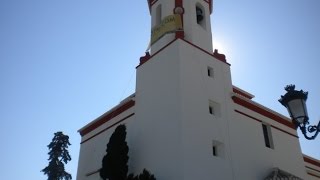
{"x": 295, "y": 102}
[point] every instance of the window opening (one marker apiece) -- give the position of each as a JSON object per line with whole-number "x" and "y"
{"x": 214, "y": 150}
{"x": 267, "y": 136}
{"x": 210, "y": 71}
{"x": 211, "y": 110}
{"x": 218, "y": 149}
{"x": 214, "y": 108}
{"x": 200, "y": 15}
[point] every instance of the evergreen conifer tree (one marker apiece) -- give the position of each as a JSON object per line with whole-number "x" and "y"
{"x": 145, "y": 175}
{"x": 58, "y": 156}
{"x": 114, "y": 163}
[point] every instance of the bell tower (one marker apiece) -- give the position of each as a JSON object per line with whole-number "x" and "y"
{"x": 182, "y": 103}
{"x": 194, "y": 16}
{"x": 185, "y": 120}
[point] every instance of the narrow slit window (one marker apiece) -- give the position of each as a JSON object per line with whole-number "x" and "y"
{"x": 214, "y": 150}
{"x": 211, "y": 110}
{"x": 210, "y": 71}
{"x": 214, "y": 108}
{"x": 267, "y": 136}
{"x": 217, "y": 149}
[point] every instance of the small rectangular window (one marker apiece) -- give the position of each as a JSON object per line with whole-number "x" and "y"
{"x": 214, "y": 108}
{"x": 267, "y": 136}
{"x": 217, "y": 149}
{"x": 211, "y": 110}
{"x": 210, "y": 71}
{"x": 214, "y": 150}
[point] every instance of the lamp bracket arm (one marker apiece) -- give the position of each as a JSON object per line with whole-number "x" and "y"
{"x": 311, "y": 129}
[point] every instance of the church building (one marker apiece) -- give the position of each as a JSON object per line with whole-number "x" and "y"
{"x": 186, "y": 120}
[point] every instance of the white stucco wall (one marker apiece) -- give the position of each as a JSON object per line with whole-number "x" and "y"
{"x": 172, "y": 100}
{"x": 158, "y": 122}
{"x": 251, "y": 158}
{"x": 93, "y": 150}
{"x": 312, "y": 169}
{"x": 177, "y": 116}
{"x": 172, "y": 132}
{"x": 200, "y": 128}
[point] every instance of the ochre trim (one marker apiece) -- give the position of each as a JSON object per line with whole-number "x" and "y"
{"x": 313, "y": 175}
{"x": 211, "y": 54}
{"x": 178, "y": 2}
{"x": 210, "y": 4}
{"x": 312, "y": 169}
{"x": 107, "y": 117}
{"x": 219, "y": 56}
{"x": 180, "y": 33}
{"x": 263, "y": 112}
{"x": 256, "y": 119}
{"x": 311, "y": 161}
{"x": 107, "y": 128}
{"x": 235, "y": 90}
{"x": 148, "y": 57}
{"x": 151, "y": 3}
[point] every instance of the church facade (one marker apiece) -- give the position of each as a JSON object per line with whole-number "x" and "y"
{"x": 186, "y": 120}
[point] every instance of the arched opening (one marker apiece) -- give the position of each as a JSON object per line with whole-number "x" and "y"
{"x": 200, "y": 15}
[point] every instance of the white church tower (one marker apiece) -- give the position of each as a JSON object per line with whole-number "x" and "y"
{"x": 186, "y": 120}
{"x": 183, "y": 102}
{"x": 195, "y": 21}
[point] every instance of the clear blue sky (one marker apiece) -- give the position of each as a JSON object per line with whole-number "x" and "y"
{"x": 65, "y": 62}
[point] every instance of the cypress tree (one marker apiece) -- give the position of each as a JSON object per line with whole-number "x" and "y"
{"x": 145, "y": 175}
{"x": 58, "y": 156}
{"x": 114, "y": 163}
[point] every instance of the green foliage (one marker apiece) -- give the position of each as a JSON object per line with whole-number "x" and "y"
{"x": 58, "y": 156}
{"x": 145, "y": 175}
{"x": 114, "y": 163}
{"x": 132, "y": 177}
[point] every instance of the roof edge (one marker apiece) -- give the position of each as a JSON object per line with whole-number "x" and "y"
{"x": 113, "y": 112}
{"x": 242, "y": 92}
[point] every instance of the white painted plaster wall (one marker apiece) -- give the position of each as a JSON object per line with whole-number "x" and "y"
{"x": 200, "y": 128}
{"x": 172, "y": 131}
{"x": 251, "y": 159}
{"x": 313, "y": 171}
{"x": 158, "y": 113}
{"x": 172, "y": 100}
{"x": 93, "y": 150}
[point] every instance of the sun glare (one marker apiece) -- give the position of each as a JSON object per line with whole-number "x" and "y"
{"x": 218, "y": 45}
{"x": 224, "y": 48}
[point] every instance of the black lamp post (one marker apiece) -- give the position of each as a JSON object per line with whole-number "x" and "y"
{"x": 295, "y": 102}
